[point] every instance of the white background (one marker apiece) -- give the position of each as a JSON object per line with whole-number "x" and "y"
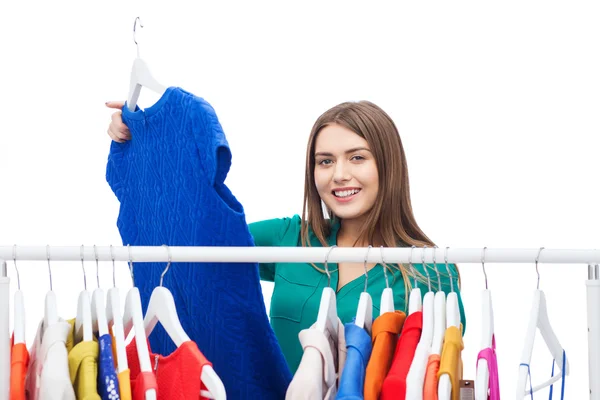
{"x": 497, "y": 106}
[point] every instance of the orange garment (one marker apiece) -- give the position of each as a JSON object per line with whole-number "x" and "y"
{"x": 451, "y": 361}
{"x": 430, "y": 387}
{"x": 384, "y": 335}
{"x": 19, "y": 361}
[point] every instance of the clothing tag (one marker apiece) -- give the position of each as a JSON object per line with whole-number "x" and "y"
{"x": 467, "y": 390}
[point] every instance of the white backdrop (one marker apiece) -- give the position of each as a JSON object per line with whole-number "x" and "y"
{"x": 497, "y": 106}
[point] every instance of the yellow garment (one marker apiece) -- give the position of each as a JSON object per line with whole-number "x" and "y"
{"x": 123, "y": 376}
{"x": 83, "y": 366}
{"x": 451, "y": 361}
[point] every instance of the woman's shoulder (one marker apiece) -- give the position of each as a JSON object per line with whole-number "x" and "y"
{"x": 283, "y": 231}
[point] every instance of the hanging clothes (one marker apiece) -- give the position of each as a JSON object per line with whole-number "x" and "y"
{"x": 451, "y": 360}
{"x": 177, "y": 374}
{"x": 48, "y": 373}
{"x": 310, "y": 382}
{"x": 430, "y": 386}
{"x": 19, "y": 363}
{"x": 169, "y": 179}
{"x": 489, "y": 354}
{"x": 358, "y": 344}
{"x": 394, "y": 385}
{"x": 385, "y": 331}
{"x": 83, "y": 365}
{"x": 108, "y": 383}
{"x": 123, "y": 376}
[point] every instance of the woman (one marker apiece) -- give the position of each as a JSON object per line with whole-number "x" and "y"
{"x": 356, "y": 168}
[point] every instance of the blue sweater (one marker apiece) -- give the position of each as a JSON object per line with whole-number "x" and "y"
{"x": 169, "y": 180}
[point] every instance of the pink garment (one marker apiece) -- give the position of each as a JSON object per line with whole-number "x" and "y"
{"x": 489, "y": 355}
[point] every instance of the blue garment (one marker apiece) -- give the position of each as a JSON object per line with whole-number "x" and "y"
{"x": 169, "y": 179}
{"x": 108, "y": 382}
{"x": 359, "y": 346}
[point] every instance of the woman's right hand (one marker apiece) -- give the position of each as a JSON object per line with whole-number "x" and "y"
{"x": 117, "y": 130}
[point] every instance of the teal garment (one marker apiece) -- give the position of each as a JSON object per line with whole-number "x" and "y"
{"x": 298, "y": 287}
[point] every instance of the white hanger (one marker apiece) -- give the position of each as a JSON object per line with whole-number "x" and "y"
{"x": 452, "y": 319}
{"x": 83, "y": 320}
{"x": 141, "y": 76}
{"x": 416, "y": 373}
{"x": 482, "y": 380}
{"x": 50, "y": 306}
{"x": 439, "y": 322}
{"x": 364, "y": 313}
{"x": 19, "y": 307}
{"x": 539, "y": 320}
{"x": 387, "y": 296}
{"x": 414, "y": 300}
{"x": 161, "y": 308}
{"x": 114, "y": 321}
{"x": 327, "y": 318}
{"x": 99, "y": 323}
{"x": 133, "y": 317}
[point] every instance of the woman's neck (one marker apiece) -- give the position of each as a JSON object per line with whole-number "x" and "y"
{"x": 349, "y": 235}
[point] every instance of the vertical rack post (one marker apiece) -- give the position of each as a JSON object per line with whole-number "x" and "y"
{"x": 593, "y": 320}
{"x": 4, "y": 332}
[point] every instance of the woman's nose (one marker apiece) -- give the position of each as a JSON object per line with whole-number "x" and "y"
{"x": 341, "y": 173}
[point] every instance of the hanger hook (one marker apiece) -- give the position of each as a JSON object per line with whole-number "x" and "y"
{"x": 168, "y": 264}
{"x": 83, "y": 268}
{"x": 387, "y": 282}
{"x": 130, "y": 262}
{"x": 112, "y": 256}
{"x": 412, "y": 267}
{"x": 327, "y": 267}
{"x": 134, "y": 39}
{"x": 448, "y": 269}
{"x": 97, "y": 267}
{"x": 16, "y": 269}
{"x": 536, "y": 267}
{"x": 425, "y": 267}
{"x": 483, "y": 266}
{"x": 365, "y": 265}
{"x": 49, "y": 270}
{"x": 437, "y": 271}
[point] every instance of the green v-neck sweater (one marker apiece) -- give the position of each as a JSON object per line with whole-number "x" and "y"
{"x": 298, "y": 287}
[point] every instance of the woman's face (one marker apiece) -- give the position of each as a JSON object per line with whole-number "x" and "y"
{"x": 345, "y": 173}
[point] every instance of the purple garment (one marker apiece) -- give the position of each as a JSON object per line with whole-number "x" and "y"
{"x": 489, "y": 355}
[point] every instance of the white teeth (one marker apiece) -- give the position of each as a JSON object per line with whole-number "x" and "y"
{"x": 346, "y": 193}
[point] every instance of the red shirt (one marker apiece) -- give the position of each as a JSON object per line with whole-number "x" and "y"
{"x": 18, "y": 369}
{"x": 177, "y": 375}
{"x": 394, "y": 385}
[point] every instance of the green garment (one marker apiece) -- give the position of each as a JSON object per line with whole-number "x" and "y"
{"x": 298, "y": 287}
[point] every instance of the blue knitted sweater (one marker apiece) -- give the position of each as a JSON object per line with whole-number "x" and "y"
{"x": 169, "y": 180}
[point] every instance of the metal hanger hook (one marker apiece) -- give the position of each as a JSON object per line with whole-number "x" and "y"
{"x": 134, "y": 38}
{"x": 365, "y": 265}
{"x": 83, "y": 268}
{"x": 387, "y": 282}
{"x": 97, "y": 267}
{"x": 130, "y": 262}
{"x": 412, "y": 267}
{"x": 327, "y": 267}
{"x": 536, "y": 267}
{"x": 16, "y": 269}
{"x": 112, "y": 256}
{"x": 168, "y": 265}
{"x": 483, "y": 266}
{"x": 49, "y": 270}
{"x": 448, "y": 269}
{"x": 437, "y": 271}
{"x": 425, "y": 267}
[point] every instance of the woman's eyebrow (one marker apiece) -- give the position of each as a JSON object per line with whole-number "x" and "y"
{"x": 327, "y": 154}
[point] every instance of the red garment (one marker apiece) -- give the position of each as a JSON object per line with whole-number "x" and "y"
{"x": 177, "y": 375}
{"x": 19, "y": 362}
{"x": 394, "y": 385}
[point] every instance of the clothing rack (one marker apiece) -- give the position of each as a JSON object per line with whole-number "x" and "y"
{"x": 137, "y": 254}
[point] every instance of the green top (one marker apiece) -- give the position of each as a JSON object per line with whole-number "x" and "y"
{"x": 298, "y": 287}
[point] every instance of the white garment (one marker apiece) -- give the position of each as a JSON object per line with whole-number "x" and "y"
{"x": 311, "y": 382}
{"x": 48, "y": 373}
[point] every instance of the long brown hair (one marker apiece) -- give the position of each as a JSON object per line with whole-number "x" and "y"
{"x": 391, "y": 217}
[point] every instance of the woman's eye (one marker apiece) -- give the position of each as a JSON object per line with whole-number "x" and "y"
{"x": 358, "y": 158}
{"x": 324, "y": 162}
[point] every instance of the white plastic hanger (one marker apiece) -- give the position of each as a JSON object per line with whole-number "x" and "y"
{"x": 115, "y": 323}
{"x": 364, "y": 313}
{"x": 482, "y": 380}
{"x": 414, "y": 300}
{"x": 141, "y": 76}
{"x": 327, "y": 318}
{"x": 99, "y": 323}
{"x": 133, "y": 317}
{"x": 19, "y": 307}
{"x": 452, "y": 319}
{"x": 539, "y": 320}
{"x": 387, "y": 296}
{"x": 161, "y": 308}
{"x": 416, "y": 373}
{"x": 83, "y": 320}
{"x": 50, "y": 306}
{"x": 439, "y": 315}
